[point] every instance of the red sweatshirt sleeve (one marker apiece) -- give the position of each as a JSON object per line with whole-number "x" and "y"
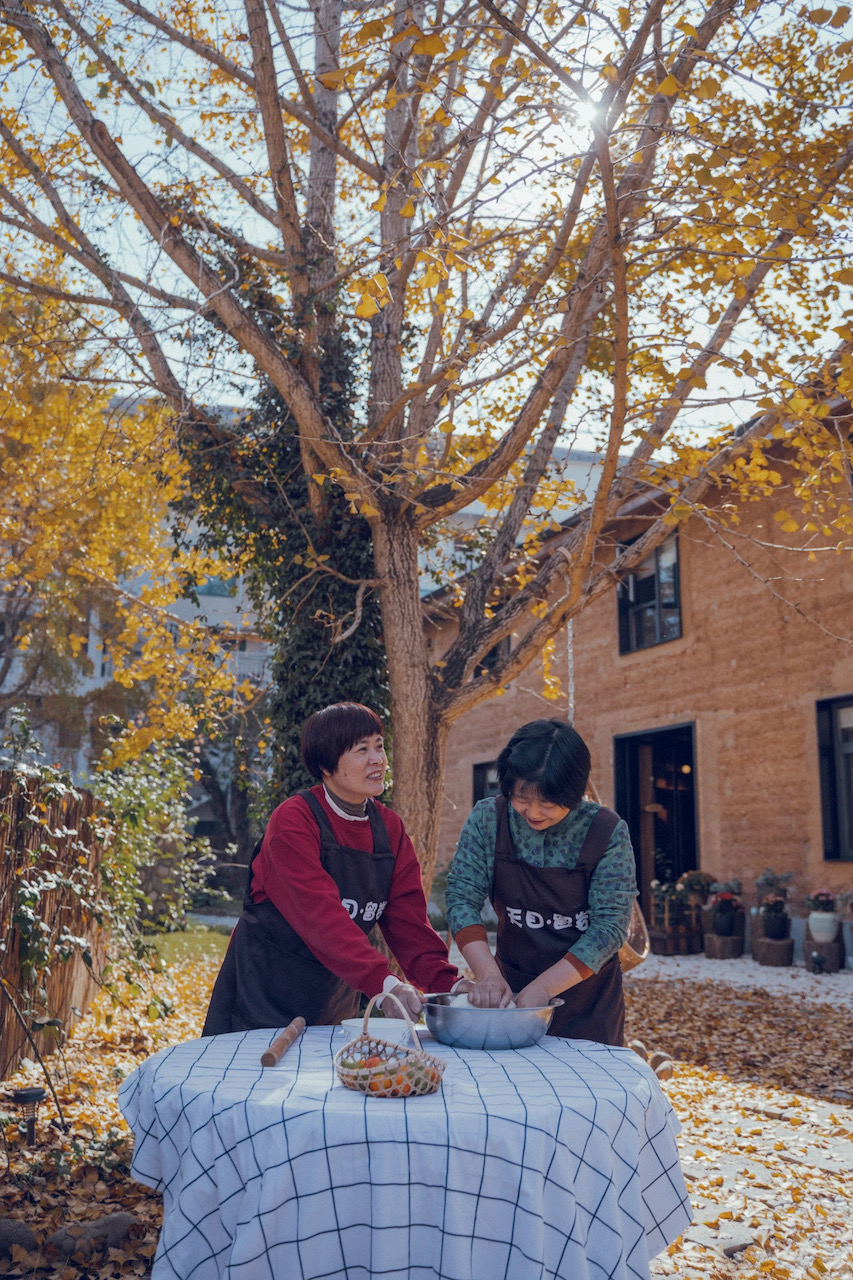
{"x": 289, "y": 873}
{"x": 419, "y": 950}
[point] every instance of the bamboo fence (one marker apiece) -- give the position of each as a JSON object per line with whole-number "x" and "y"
{"x": 43, "y": 832}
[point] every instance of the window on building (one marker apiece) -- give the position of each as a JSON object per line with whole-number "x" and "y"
{"x": 486, "y": 780}
{"x": 218, "y": 587}
{"x": 835, "y": 745}
{"x": 649, "y": 608}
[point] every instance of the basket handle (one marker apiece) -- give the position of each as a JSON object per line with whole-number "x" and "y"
{"x": 389, "y": 995}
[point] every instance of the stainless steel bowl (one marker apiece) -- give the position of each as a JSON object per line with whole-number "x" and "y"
{"x": 464, "y": 1027}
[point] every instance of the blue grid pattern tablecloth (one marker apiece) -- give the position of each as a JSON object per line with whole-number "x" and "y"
{"x": 557, "y": 1161}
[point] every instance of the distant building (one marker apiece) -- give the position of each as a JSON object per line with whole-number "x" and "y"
{"x": 714, "y": 687}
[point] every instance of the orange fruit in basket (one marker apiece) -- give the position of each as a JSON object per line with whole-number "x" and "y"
{"x": 375, "y": 1086}
{"x": 373, "y": 1062}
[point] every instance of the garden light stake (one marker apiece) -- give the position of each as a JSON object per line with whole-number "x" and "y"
{"x": 28, "y": 1100}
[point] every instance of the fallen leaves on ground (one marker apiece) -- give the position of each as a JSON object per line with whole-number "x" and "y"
{"x": 81, "y": 1176}
{"x": 761, "y": 1086}
{"x": 746, "y": 1033}
{"x": 766, "y": 1148}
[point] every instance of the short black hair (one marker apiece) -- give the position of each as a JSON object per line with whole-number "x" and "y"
{"x": 327, "y": 734}
{"x": 551, "y": 755}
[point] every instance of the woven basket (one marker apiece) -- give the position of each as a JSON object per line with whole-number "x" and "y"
{"x": 401, "y": 1073}
{"x": 635, "y": 948}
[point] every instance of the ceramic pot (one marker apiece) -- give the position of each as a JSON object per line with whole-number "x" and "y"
{"x": 823, "y": 925}
{"x": 776, "y": 927}
{"x": 724, "y": 924}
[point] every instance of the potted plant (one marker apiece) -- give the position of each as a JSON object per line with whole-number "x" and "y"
{"x": 772, "y": 882}
{"x": 697, "y": 886}
{"x": 724, "y": 908}
{"x": 674, "y": 924}
{"x": 823, "y": 920}
{"x": 774, "y": 917}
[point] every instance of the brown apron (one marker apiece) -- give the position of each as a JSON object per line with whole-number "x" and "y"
{"x": 542, "y": 911}
{"x": 269, "y": 975}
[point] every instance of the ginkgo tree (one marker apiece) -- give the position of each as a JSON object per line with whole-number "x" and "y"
{"x": 88, "y": 571}
{"x": 531, "y": 224}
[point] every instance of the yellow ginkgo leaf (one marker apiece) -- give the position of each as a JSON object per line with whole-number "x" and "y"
{"x": 708, "y": 88}
{"x": 370, "y": 31}
{"x": 380, "y": 204}
{"x": 367, "y": 307}
{"x": 669, "y": 86}
{"x": 332, "y": 79}
{"x": 408, "y": 209}
{"x": 431, "y": 45}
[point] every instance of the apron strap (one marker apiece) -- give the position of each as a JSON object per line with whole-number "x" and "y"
{"x": 327, "y": 835}
{"x": 247, "y": 892}
{"x": 504, "y": 846}
{"x": 381, "y": 842}
{"x": 597, "y": 839}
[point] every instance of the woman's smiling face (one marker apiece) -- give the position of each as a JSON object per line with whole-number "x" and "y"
{"x": 536, "y": 812}
{"x": 360, "y": 772}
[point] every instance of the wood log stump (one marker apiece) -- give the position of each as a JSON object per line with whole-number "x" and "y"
{"x": 717, "y": 948}
{"x": 831, "y": 952}
{"x": 778, "y": 953}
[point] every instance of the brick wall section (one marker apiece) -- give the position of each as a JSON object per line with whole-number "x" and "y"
{"x": 747, "y": 672}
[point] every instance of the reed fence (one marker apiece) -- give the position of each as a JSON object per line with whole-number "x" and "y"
{"x": 47, "y": 839}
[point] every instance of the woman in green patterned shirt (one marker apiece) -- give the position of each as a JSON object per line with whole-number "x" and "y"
{"x": 560, "y": 874}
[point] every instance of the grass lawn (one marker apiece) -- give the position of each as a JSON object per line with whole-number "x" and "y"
{"x": 191, "y": 944}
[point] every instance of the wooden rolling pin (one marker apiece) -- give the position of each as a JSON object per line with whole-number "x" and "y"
{"x": 282, "y": 1043}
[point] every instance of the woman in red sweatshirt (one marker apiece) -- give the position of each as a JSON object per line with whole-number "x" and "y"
{"x": 332, "y": 864}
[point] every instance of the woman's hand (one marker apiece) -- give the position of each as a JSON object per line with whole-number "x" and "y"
{"x": 410, "y": 998}
{"x": 491, "y": 989}
{"x": 533, "y": 996}
{"x": 462, "y": 986}
{"x": 491, "y": 992}
{"x": 552, "y": 982}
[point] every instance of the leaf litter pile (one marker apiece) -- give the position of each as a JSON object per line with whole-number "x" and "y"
{"x": 762, "y": 1085}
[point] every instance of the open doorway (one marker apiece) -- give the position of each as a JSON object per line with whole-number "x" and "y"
{"x": 656, "y": 795}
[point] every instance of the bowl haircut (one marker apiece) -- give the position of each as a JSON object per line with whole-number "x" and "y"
{"x": 327, "y": 734}
{"x": 549, "y": 755}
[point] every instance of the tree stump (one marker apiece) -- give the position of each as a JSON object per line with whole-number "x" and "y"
{"x": 831, "y": 953}
{"x": 717, "y": 948}
{"x": 779, "y": 953}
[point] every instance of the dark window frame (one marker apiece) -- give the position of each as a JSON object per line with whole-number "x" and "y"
{"x": 836, "y": 783}
{"x": 630, "y": 610}
{"x": 482, "y": 785}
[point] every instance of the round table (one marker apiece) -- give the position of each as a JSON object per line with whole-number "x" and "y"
{"x": 554, "y": 1161}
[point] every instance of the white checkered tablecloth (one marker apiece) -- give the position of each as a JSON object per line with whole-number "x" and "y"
{"x": 557, "y": 1161}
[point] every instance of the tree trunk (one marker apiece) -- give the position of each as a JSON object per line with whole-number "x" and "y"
{"x": 419, "y": 729}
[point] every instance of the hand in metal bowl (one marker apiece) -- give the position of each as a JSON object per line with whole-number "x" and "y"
{"x": 465, "y": 1027}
